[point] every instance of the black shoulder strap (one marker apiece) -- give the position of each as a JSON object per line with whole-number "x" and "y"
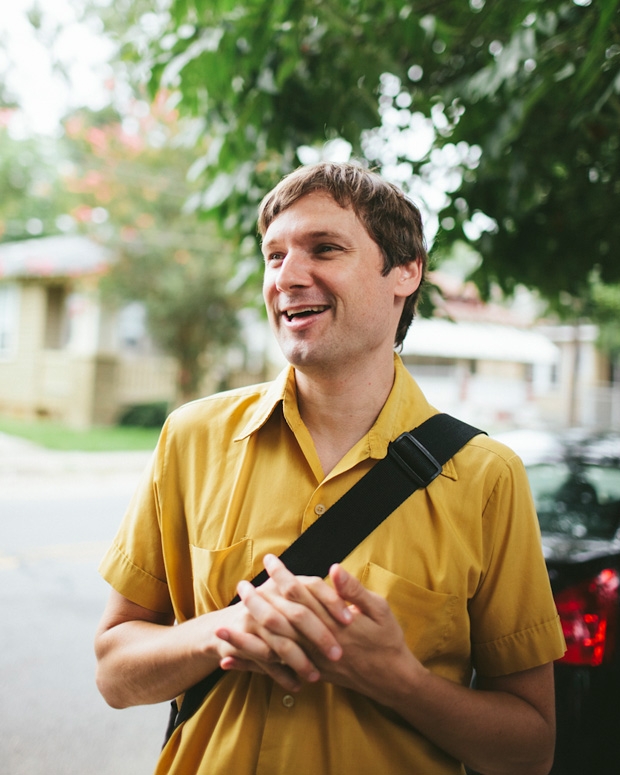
{"x": 414, "y": 459}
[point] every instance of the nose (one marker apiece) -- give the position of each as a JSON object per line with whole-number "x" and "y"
{"x": 293, "y": 271}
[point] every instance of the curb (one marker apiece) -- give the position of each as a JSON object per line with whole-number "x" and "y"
{"x": 27, "y": 469}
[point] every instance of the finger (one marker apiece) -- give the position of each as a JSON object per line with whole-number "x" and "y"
{"x": 352, "y": 590}
{"x": 288, "y": 585}
{"x": 283, "y": 675}
{"x": 307, "y": 617}
{"x": 310, "y": 591}
{"x": 292, "y": 655}
{"x": 278, "y": 633}
{"x": 247, "y": 644}
{"x": 280, "y": 657}
{"x": 263, "y": 611}
{"x": 329, "y": 599}
{"x": 243, "y": 665}
{"x": 286, "y": 677}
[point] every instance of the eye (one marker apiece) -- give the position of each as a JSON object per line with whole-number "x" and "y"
{"x": 325, "y": 249}
{"x": 274, "y": 258}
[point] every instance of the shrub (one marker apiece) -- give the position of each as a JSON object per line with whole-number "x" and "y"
{"x": 151, "y": 415}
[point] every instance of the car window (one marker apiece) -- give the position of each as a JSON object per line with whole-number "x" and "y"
{"x": 606, "y": 481}
{"x": 581, "y": 502}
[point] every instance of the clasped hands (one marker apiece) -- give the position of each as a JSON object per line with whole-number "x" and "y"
{"x": 300, "y": 629}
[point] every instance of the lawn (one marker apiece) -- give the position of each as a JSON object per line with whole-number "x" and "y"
{"x": 102, "y": 439}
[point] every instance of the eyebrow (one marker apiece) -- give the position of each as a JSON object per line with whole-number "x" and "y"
{"x": 318, "y": 234}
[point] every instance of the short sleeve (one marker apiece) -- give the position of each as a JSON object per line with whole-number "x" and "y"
{"x": 514, "y": 621}
{"x": 134, "y": 564}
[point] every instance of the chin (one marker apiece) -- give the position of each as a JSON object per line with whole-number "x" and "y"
{"x": 306, "y": 359}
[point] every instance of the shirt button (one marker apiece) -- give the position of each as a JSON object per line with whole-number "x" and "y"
{"x": 288, "y": 700}
{"x": 319, "y": 509}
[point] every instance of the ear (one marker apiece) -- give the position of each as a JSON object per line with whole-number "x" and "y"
{"x": 408, "y": 277}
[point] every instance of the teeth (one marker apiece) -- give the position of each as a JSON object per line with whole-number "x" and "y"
{"x": 305, "y": 311}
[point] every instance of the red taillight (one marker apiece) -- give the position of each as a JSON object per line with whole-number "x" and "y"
{"x": 589, "y": 615}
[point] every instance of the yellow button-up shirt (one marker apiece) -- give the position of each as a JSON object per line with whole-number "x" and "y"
{"x": 236, "y": 476}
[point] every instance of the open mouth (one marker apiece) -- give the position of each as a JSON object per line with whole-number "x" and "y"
{"x": 304, "y": 312}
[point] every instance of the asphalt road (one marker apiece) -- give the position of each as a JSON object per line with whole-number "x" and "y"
{"x": 57, "y": 515}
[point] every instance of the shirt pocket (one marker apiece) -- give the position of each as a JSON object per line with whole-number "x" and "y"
{"x": 216, "y": 573}
{"x": 426, "y": 617}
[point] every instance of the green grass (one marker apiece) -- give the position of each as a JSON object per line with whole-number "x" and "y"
{"x": 102, "y": 439}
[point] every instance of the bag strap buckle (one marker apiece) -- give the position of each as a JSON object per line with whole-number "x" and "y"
{"x": 414, "y": 459}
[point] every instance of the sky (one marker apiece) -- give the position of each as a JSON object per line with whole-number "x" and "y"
{"x": 26, "y": 62}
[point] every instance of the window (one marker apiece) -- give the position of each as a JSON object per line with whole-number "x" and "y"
{"x": 582, "y": 501}
{"x": 9, "y": 312}
{"x": 56, "y": 318}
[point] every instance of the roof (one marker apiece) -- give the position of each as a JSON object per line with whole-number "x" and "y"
{"x": 478, "y": 341}
{"x": 58, "y": 256}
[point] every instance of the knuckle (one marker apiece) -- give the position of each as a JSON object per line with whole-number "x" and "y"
{"x": 272, "y": 620}
{"x": 313, "y": 582}
{"x": 290, "y": 590}
{"x": 297, "y": 616}
{"x": 325, "y": 643}
{"x": 287, "y": 650}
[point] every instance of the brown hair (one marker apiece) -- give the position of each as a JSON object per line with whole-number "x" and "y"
{"x": 390, "y": 218}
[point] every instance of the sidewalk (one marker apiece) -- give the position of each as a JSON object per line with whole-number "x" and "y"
{"x": 28, "y": 470}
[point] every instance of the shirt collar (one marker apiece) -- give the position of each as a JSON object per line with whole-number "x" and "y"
{"x": 406, "y": 408}
{"x": 282, "y": 387}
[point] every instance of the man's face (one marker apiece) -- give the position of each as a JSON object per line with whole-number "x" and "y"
{"x": 328, "y": 303}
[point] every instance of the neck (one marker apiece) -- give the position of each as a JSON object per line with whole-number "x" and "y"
{"x": 339, "y": 410}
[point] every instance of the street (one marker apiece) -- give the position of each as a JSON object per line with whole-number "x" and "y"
{"x": 57, "y": 515}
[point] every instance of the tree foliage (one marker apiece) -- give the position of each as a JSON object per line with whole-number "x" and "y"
{"x": 130, "y": 182}
{"x": 533, "y": 84}
{"x": 32, "y": 197}
{"x": 545, "y": 110}
{"x": 606, "y": 313}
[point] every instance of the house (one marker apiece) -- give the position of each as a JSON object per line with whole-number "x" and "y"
{"x": 588, "y": 390}
{"x": 64, "y": 354}
{"x": 488, "y": 374}
{"x": 500, "y": 366}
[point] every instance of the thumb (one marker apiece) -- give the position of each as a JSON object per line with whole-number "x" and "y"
{"x": 353, "y": 591}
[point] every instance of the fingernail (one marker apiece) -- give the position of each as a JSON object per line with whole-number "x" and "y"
{"x": 347, "y": 615}
{"x": 314, "y": 676}
{"x": 334, "y": 653}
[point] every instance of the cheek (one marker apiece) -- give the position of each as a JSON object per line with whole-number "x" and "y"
{"x": 267, "y": 288}
{"x": 269, "y": 296}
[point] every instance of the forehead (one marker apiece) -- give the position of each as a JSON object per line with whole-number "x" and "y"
{"x": 314, "y": 215}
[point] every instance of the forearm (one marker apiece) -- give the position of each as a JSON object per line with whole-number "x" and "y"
{"x": 493, "y": 732}
{"x": 141, "y": 663}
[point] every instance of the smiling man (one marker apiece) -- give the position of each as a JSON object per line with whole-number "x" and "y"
{"x": 369, "y": 670}
{"x": 328, "y": 300}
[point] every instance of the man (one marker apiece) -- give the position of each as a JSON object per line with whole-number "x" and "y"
{"x": 368, "y": 671}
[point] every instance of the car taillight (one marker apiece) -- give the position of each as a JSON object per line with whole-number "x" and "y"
{"x": 589, "y": 615}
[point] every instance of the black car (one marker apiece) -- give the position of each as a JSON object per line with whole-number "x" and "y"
{"x": 575, "y": 480}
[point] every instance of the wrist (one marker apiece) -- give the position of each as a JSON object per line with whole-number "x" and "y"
{"x": 405, "y": 678}
{"x": 203, "y": 646}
